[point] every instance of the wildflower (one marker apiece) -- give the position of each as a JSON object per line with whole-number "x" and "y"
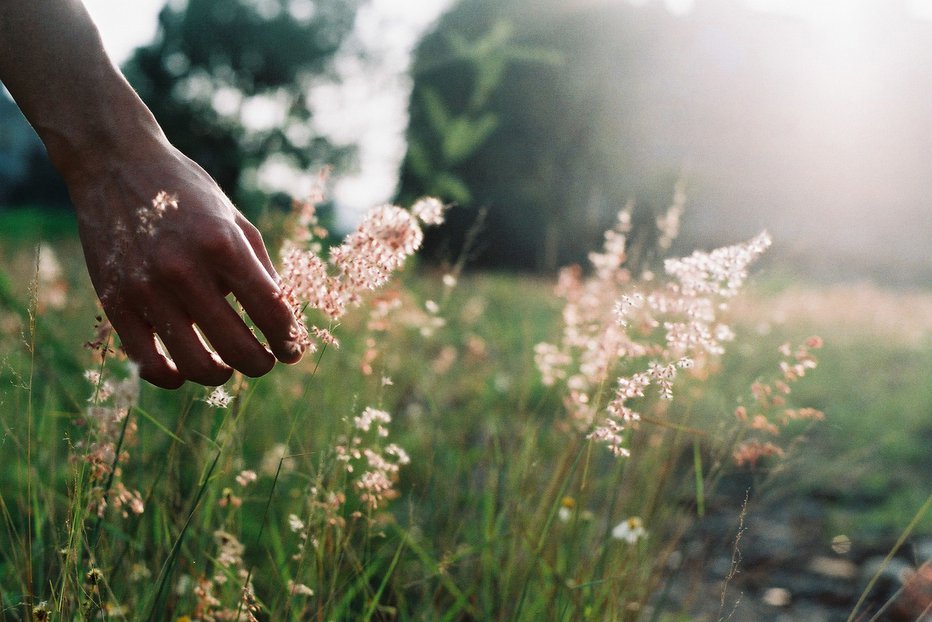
{"x": 566, "y": 509}
{"x": 111, "y": 433}
{"x": 607, "y": 319}
{"x": 299, "y": 589}
{"x": 630, "y": 530}
{"x": 771, "y": 401}
{"x": 551, "y": 363}
{"x": 325, "y": 336}
{"x": 249, "y": 603}
{"x": 227, "y": 498}
{"x": 669, "y": 223}
{"x": 274, "y": 458}
{"x": 219, "y": 398}
{"x": 445, "y": 360}
{"x": 94, "y": 577}
{"x": 381, "y": 465}
{"x": 139, "y": 572}
{"x": 246, "y": 477}
{"x": 609, "y": 433}
{"x": 401, "y": 456}
{"x": 229, "y": 557}
{"x": 42, "y": 612}
{"x": 720, "y": 272}
{"x": 295, "y": 524}
{"x": 101, "y": 343}
{"x": 363, "y": 262}
{"x": 371, "y": 415}
{"x": 429, "y": 211}
{"x": 749, "y": 453}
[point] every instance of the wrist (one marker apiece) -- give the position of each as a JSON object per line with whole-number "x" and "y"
{"x": 106, "y": 122}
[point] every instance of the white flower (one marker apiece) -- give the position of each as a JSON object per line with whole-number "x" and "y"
{"x": 299, "y": 589}
{"x": 630, "y": 530}
{"x": 246, "y": 477}
{"x": 429, "y": 211}
{"x": 219, "y": 398}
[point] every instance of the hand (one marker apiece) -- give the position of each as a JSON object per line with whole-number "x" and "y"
{"x": 164, "y": 269}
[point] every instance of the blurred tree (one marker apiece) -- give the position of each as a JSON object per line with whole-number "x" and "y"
{"x": 508, "y": 114}
{"x": 228, "y": 81}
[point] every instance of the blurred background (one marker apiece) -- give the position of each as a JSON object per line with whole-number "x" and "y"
{"x": 808, "y": 118}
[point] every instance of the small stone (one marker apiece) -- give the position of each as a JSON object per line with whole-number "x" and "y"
{"x": 833, "y": 567}
{"x": 777, "y": 597}
{"x": 841, "y": 544}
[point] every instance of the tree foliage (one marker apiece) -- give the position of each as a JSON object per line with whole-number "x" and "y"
{"x": 229, "y": 79}
{"x": 513, "y": 113}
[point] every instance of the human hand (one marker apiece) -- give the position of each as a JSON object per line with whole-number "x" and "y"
{"x": 162, "y": 266}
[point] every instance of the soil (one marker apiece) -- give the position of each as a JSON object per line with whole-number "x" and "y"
{"x": 787, "y": 566}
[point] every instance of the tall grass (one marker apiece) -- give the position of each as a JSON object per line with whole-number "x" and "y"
{"x": 296, "y": 500}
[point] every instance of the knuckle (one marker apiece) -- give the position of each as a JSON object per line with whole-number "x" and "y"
{"x": 251, "y": 231}
{"x": 130, "y": 283}
{"x": 173, "y": 268}
{"x": 223, "y": 241}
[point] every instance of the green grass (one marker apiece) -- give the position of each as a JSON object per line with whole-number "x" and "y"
{"x": 476, "y": 531}
{"x": 25, "y": 224}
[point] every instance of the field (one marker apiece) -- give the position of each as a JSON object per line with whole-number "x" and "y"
{"x": 481, "y": 498}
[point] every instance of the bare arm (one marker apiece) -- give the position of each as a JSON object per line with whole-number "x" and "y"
{"x": 158, "y": 269}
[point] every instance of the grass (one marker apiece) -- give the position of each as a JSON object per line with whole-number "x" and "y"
{"x": 505, "y": 512}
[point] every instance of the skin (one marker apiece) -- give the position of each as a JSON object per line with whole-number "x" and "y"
{"x": 156, "y": 272}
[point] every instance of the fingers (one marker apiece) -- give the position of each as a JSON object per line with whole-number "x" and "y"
{"x": 227, "y": 333}
{"x": 183, "y": 290}
{"x": 258, "y": 246}
{"x": 157, "y": 313}
{"x": 193, "y": 359}
{"x": 139, "y": 342}
{"x": 255, "y": 288}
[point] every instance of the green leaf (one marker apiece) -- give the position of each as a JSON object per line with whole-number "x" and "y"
{"x": 435, "y": 109}
{"x": 450, "y": 187}
{"x": 465, "y": 136}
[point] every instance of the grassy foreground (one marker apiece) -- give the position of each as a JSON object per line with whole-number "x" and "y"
{"x": 489, "y": 503}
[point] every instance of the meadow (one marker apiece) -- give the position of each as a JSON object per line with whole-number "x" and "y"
{"x": 440, "y": 464}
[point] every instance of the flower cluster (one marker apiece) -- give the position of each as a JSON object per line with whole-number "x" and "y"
{"x": 768, "y": 411}
{"x": 229, "y": 566}
{"x": 111, "y": 432}
{"x": 378, "y": 466}
{"x": 658, "y": 327}
{"x": 365, "y": 260}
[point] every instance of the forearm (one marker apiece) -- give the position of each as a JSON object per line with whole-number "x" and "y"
{"x": 53, "y": 62}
